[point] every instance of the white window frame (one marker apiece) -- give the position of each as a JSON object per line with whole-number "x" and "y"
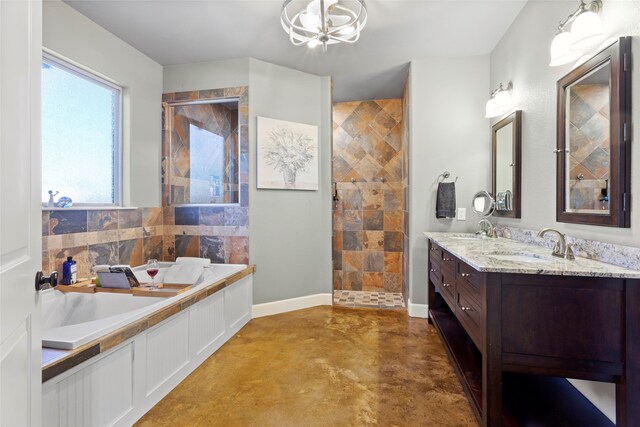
{"x": 93, "y": 77}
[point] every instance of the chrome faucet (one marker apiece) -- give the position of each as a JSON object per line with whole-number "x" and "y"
{"x": 490, "y": 231}
{"x": 561, "y": 248}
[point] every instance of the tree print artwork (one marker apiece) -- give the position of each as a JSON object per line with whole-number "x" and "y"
{"x": 287, "y": 155}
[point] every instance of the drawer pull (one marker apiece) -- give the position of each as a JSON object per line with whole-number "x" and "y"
{"x": 433, "y": 249}
{"x": 465, "y": 274}
{"x": 433, "y": 270}
{"x": 446, "y": 285}
{"x": 463, "y": 308}
{"x": 447, "y": 259}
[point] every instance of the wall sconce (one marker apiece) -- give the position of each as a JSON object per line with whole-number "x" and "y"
{"x": 586, "y": 34}
{"x": 500, "y": 101}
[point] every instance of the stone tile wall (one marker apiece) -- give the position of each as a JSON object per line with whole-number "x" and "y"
{"x": 590, "y": 147}
{"x": 368, "y": 220}
{"x": 95, "y": 237}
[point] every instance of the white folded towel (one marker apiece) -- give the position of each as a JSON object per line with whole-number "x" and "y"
{"x": 185, "y": 274}
{"x": 193, "y": 261}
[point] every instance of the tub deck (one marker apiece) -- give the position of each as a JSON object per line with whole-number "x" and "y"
{"x": 55, "y": 361}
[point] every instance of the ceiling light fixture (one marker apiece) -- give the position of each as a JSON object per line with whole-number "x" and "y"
{"x": 500, "y": 102}
{"x": 323, "y": 21}
{"x": 586, "y": 34}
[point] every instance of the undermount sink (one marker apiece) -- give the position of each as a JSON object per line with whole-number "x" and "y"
{"x": 463, "y": 237}
{"x": 533, "y": 259}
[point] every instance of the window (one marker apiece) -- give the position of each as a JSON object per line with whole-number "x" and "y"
{"x": 80, "y": 135}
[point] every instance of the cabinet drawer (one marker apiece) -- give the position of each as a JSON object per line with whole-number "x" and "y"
{"x": 434, "y": 274}
{"x": 471, "y": 276}
{"x": 469, "y": 312}
{"x": 448, "y": 287}
{"x": 448, "y": 261}
{"x": 435, "y": 253}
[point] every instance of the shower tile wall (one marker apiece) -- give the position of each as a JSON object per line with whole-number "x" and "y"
{"x": 590, "y": 148}
{"x": 368, "y": 220}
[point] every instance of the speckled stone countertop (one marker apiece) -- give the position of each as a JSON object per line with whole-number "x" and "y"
{"x": 511, "y": 256}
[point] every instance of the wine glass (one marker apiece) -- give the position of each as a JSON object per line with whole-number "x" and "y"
{"x": 152, "y": 269}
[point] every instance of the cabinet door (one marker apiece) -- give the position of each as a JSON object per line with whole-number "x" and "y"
{"x": 167, "y": 350}
{"x": 207, "y": 322}
{"x": 97, "y": 395}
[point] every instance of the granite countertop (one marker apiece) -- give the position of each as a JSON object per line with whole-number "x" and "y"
{"x": 500, "y": 255}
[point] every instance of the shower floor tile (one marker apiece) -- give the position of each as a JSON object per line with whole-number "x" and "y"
{"x": 368, "y": 299}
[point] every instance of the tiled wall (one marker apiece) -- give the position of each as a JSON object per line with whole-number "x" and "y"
{"x": 368, "y": 220}
{"x": 131, "y": 236}
{"x": 220, "y": 233}
{"x": 590, "y": 148}
{"x": 191, "y": 184}
{"x": 95, "y": 237}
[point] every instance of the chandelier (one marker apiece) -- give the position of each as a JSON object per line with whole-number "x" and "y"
{"x": 323, "y": 22}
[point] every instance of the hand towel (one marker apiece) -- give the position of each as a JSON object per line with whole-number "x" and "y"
{"x": 446, "y": 200}
{"x": 508, "y": 200}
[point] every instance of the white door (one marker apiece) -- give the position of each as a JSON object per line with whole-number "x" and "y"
{"x": 20, "y": 223}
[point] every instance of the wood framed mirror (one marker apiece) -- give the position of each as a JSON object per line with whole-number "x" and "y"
{"x": 593, "y": 140}
{"x": 506, "y": 149}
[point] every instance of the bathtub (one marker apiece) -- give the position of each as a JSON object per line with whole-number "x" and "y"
{"x": 71, "y": 319}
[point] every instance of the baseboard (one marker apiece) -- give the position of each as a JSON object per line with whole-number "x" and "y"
{"x": 276, "y": 307}
{"x": 417, "y": 310}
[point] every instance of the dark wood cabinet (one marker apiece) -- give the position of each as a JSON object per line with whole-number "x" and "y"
{"x": 509, "y": 333}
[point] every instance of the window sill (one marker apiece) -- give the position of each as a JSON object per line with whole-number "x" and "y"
{"x": 90, "y": 208}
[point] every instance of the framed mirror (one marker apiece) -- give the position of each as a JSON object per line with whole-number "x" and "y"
{"x": 203, "y": 151}
{"x": 483, "y": 204}
{"x": 506, "y": 136}
{"x": 593, "y": 145}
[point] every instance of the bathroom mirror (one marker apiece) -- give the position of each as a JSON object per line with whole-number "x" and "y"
{"x": 203, "y": 151}
{"x": 505, "y": 165}
{"x": 483, "y": 204}
{"x": 593, "y": 124}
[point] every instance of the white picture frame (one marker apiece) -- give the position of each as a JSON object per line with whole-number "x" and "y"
{"x": 287, "y": 155}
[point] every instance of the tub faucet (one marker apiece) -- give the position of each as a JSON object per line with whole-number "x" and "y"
{"x": 490, "y": 231}
{"x": 561, "y": 248}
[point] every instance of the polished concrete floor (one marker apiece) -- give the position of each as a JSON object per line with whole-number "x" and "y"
{"x": 322, "y": 366}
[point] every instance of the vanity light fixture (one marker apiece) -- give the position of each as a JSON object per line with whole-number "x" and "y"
{"x": 586, "y": 34}
{"x": 500, "y": 102}
{"x": 323, "y": 22}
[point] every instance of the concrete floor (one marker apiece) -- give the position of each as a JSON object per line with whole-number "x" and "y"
{"x": 322, "y": 366}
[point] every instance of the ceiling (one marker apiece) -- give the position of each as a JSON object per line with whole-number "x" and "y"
{"x": 397, "y": 31}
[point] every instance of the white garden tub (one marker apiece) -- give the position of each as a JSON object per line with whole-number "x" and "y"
{"x": 70, "y": 320}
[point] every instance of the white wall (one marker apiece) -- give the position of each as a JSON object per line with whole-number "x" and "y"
{"x": 522, "y": 56}
{"x": 74, "y": 37}
{"x": 206, "y": 75}
{"x": 448, "y": 132}
{"x": 289, "y": 231}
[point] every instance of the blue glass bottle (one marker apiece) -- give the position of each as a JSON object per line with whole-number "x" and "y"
{"x": 69, "y": 272}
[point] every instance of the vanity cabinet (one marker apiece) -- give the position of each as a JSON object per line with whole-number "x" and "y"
{"x": 514, "y": 338}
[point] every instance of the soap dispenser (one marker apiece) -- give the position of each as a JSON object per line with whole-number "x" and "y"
{"x": 69, "y": 272}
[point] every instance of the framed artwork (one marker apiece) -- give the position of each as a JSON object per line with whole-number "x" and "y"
{"x": 287, "y": 155}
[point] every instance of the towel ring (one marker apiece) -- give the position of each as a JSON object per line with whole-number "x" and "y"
{"x": 445, "y": 175}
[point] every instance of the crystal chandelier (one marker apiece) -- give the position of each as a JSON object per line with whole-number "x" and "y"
{"x": 323, "y": 22}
